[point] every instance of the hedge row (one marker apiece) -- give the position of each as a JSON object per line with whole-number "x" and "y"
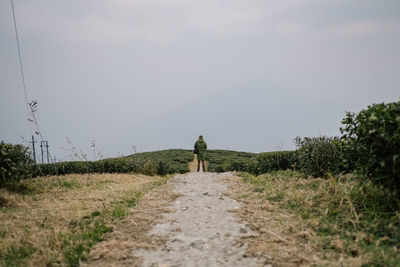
{"x": 144, "y": 166}
{"x": 262, "y": 163}
{"x": 16, "y": 164}
{"x": 315, "y": 156}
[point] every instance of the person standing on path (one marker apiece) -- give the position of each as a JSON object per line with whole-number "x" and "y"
{"x": 200, "y": 146}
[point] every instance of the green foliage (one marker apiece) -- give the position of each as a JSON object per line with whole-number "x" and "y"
{"x": 15, "y": 162}
{"x": 227, "y": 160}
{"x": 116, "y": 165}
{"x": 249, "y": 166}
{"x": 318, "y": 156}
{"x": 177, "y": 159}
{"x": 119, "y": 212}
{"x": 372, "y": 143}
{"x": 20, "y": 188}
{"x": 274, "y": 161}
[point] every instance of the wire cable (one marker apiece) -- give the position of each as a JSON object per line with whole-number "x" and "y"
{"x": 20, "y": 61}
{"x": 29, "y": 109}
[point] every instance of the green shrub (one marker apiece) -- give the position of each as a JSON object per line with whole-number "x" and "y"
{"x": 274, "y": 161}
{"x": 174, "y": 160}
{"x": 372, "y": 142}
{"x": 15, "y": 162}
{"x": 117, "y": 165}
{"x": 318, "y": 156}
{"x": 148, "y": 163}
{"x": 228, "y": 160}
{"x": 241, "y": 166}
{"x": 257, "y": 164}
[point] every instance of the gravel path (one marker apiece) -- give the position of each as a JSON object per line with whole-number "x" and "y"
{"x": 201, "y": 231}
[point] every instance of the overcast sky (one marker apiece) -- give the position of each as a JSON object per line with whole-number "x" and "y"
{"x": 248, "y": 75}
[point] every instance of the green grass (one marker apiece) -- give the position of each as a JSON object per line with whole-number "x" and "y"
{"x": 91, "y": 228}
{"x": 119, "y": 211}
{"x": 364, "y": 217}
{"x": 70, "y": 184}
{"x": 16, "y": 254}
{"x": 88, "y": 232}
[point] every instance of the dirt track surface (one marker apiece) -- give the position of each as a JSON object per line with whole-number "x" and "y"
{"x": 201, "y": 231}
{"x": 187, "y": 222}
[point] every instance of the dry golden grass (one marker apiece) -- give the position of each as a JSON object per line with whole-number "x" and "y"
{"x": 193, "y": 164}
{"x": 280, "y": 236}
{"x": 309, "y": 221}
{"x": 131, "y": 233}
{"x": 39, "y": 220}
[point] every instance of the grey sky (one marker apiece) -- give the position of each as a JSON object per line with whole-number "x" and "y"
{"x": 248, "y": 75}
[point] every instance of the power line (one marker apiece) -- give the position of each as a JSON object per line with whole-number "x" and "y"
{"x": 20, "y": 61}
{"x": 30, "y": 107}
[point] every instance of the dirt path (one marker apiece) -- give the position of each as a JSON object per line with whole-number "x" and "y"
{"x": 201, "y": 231}
{"x": 194, "y": 227}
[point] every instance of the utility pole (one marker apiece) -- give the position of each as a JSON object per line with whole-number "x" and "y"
{"x": 33, "y": 148}
{"x": 47, "y": 151}
{"x": 41, "y": 149}
{"x": 44, "y": 145}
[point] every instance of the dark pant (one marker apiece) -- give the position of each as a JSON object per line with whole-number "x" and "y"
{"x": 202, "y": 163}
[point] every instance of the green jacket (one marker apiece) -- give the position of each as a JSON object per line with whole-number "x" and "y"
{"x": 201, "y": 147}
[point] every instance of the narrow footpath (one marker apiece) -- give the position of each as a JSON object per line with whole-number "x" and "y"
{"x": 187, "y": 222}
{"x": 201, "y": 231}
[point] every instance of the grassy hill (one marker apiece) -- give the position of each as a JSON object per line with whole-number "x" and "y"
{"x": 178, "y": 159}
{"x": 218, "y": 160}
{"x": 150, "y": 163}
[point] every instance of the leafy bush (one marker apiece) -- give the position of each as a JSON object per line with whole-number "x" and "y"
{"x": 372, "y": 142}
{"x": 117, "y": 165}
{"x": 274, "y": 161}
{"x": 252, "y": 163}
{"x": 319, "y": 156}
{"x": 228, "y": 160}
{"x": 177, "y": 159}
{"x": 149, "y": 163}
{"x": 249, "y": 166}
{"x": 15, "y": 162}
